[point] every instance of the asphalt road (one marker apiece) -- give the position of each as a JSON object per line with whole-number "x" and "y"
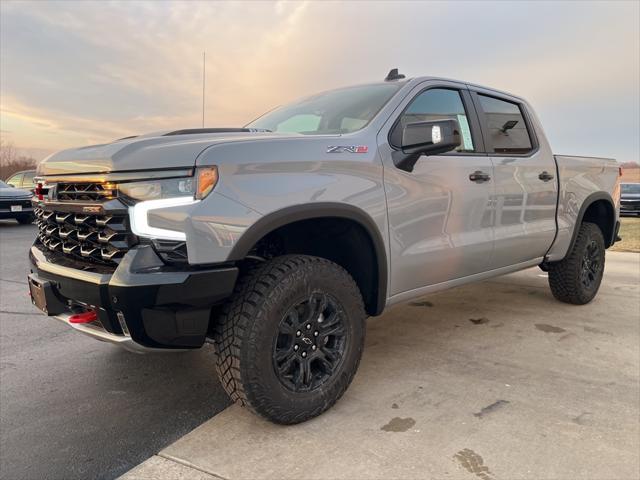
{"x": 72, "y": 407}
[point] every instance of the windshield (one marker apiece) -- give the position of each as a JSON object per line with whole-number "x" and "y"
{"x": 337, "y": 111}
{"x": 631, "y": 188}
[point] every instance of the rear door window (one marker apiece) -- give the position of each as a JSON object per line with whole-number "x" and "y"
{"x": 505, "y": 127}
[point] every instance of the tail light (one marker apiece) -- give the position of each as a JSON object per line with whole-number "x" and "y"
{"x": 39, "y": 191}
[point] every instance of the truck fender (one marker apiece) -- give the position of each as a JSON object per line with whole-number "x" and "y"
{"x": 279, "y": 218}
{"x": 590, "y": 200}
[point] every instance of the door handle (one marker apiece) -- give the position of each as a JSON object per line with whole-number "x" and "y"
{"x": 479, "y": 177}
{"x": 545, "y": 176}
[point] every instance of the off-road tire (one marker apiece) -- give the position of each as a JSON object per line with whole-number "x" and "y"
{"x": 565, "y": 276}
{"x": 245, "y": 331}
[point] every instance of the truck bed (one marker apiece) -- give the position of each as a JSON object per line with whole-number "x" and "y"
{"x": 578, "y": 178}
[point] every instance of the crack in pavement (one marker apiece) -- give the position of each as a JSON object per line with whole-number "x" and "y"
{"x": 187, "y": 463}
{"x": 12, "y": 281}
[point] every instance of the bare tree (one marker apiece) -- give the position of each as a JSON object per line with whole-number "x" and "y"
{"x": 11, "y": 162}
{"x": 7, "y": 152}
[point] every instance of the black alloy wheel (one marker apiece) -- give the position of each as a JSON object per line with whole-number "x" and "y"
{"x": 310, "y": 343}
{"x": 590, "y": 264}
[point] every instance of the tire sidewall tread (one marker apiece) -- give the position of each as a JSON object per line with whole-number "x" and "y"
{"x": 245, "y": 331}
{"x": 564, "y": 276}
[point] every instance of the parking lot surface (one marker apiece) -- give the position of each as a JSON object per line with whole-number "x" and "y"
{"x": 490, "y": 381}
{"x": 72, "y": 407}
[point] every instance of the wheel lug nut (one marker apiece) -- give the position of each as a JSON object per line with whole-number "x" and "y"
{"x": 313, "y": 347}
{"x": 296, "y": 347}
{"x": 304, "y": 354}
{"x": 315, "y": 334}
{"x": 309, "y": 327}
{"x": 298, "y": 333}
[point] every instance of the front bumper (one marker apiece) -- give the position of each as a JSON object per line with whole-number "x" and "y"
{"x": 5, "y": 210}
{"x": 98, "y": 332}
{"x": 143, "y": 305}
{"x": 630, "y": 207}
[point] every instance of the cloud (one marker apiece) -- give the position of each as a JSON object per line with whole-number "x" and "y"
{"x": 97, "y": 70}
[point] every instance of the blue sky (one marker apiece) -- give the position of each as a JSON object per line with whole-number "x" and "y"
{"x": 76, "y": 73}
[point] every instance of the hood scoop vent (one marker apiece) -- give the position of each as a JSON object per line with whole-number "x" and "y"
{"x": 192, "y": 131}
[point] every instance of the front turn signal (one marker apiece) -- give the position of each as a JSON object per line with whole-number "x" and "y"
{"x": 207, "y": 179}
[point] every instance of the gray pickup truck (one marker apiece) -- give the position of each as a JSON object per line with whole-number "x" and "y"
{"x": 275, "y": 241}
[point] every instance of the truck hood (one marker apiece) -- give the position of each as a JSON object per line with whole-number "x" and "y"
{"x": 14, "y": 193}
{"x": 152, "y": 151}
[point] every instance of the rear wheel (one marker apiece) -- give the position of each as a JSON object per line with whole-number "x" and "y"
{"x": 576, "y": 279}
{"x": 290, "y": 340}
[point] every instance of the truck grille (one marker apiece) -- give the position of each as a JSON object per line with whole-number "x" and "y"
{"x": 85, "y": 192}
{"x": 100, "y": 239}
{"x": 7, "y": 202}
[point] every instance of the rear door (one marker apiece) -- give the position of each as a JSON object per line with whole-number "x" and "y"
{"x": 525, "y": 179}
{"x": 440, "y": 220}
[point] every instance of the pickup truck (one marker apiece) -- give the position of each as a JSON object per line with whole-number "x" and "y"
{"x": 276, "y": 241}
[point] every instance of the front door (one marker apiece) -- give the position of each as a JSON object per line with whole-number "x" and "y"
{"x": 440, "y": 214}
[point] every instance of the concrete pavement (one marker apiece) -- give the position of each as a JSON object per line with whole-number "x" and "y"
{"x": 495, "y": 380}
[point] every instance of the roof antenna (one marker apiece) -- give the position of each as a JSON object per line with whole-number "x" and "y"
{"x": 203, "y": 83}
{"x": 393, "y": 75}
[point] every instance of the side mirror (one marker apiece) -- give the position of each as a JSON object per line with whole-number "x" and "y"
{"x": 11, "y": 185}
{"x": 426, "y": 138}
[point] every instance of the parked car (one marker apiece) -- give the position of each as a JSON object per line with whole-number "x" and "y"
{"x": 15, "y": 203}
{"x": 277, "y": 240}
{"x": 630, "y": 199}
{"x": 23, "y": 179}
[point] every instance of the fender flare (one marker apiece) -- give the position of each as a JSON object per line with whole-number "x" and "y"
{"x": 295, "y": 213}
{"x": 590, "y": 200}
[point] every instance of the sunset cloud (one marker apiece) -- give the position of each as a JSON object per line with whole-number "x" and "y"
{"x": 74, "y": 73}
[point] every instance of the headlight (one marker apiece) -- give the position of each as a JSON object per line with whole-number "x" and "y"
{"x": 162, "y": 193}
{"x": 197, "y": 186}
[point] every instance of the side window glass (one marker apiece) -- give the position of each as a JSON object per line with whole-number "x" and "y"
{"x": 505, "y": 126}
{"x": 436, "y": 104}
{"x": 27, "y": 182}
{"x": 16, "y": 180}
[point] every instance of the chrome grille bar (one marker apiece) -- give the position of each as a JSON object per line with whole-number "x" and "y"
{"x": 95, "y": 238}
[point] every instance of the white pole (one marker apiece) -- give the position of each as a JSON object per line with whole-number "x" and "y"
{"x": 203, "y": 83}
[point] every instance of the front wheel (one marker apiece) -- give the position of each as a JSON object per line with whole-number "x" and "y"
{"x": 290, "y": 340}
{"x": 576, "y": 279}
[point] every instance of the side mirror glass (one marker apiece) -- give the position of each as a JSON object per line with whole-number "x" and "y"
{"x": 426, "y": 138}
{"x": 431, "y": 138}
